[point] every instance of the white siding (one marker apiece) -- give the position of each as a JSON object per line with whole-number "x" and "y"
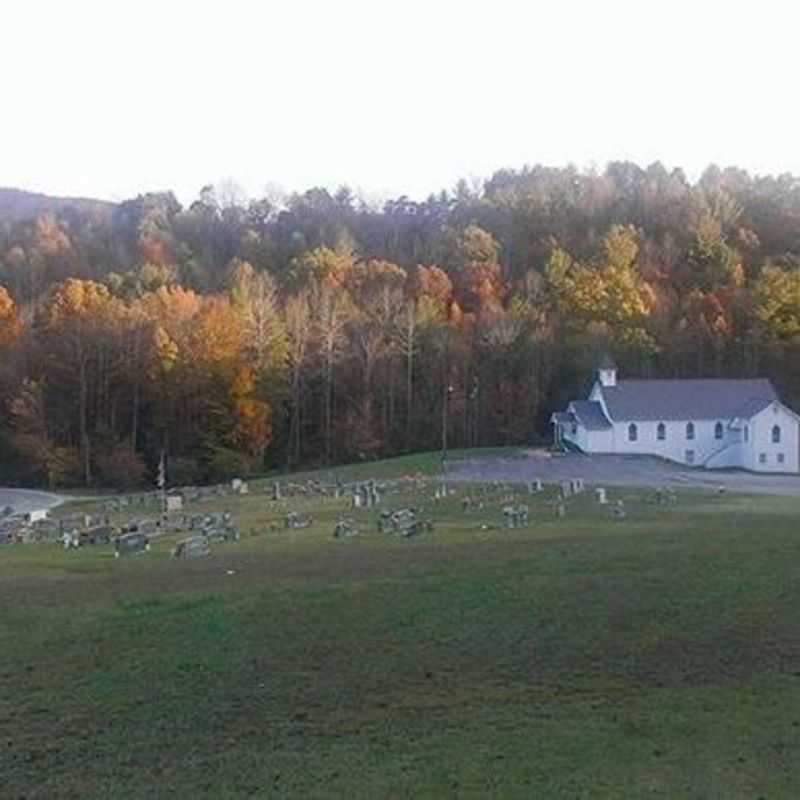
{"x": 761, "y": 440}
{"x": 675, "y": 444}
{"x": 600, "y": 441}
{"x": 732, "y": 450}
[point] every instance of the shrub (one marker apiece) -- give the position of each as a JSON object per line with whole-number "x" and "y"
{"x": 121, "y": 466}
{"x": 223, "y": 463}
{"x": 183, "y": 471}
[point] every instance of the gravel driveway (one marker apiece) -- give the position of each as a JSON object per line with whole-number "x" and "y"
{"x": 616, "y": 470}
{"x": 23, "y": 500}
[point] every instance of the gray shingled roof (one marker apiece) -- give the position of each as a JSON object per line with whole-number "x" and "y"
{"x": 590, "y": 414}
{"x": 713, "y": 398}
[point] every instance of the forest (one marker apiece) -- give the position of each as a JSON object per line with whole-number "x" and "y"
{"x": 237, "y": 335}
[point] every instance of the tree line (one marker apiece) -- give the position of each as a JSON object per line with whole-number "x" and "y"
{"x": 236, "y": 335}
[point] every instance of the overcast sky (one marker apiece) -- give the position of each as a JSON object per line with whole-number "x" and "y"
{"x": 115, "y": 97}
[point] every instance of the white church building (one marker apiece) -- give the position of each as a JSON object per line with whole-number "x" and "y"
{"x": 713, "y": 423}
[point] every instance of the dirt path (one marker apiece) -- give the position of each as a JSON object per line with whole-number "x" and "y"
{"x": 615, "y": 470}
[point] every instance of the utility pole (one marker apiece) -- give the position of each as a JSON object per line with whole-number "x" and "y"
{"x": 448, "y": 390}
{"x": 474, "y": 396}
{"x": 161, "y": 482}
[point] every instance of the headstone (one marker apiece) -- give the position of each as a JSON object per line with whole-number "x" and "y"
{"x": 561, "y": 510}
{"x": 600, "y": 494}
{"x": 516, "y": 517}
{"x": 619, "y": 510}
{"x": 173, "y": 502}
{"x": 293, "y": 520}
{"x": 191, "y": 547}
{"x": 228, "y": 533}
{"x": 130, "y": 544}
{"x": 344, "y": 528}
{"x": 99, "y": 535}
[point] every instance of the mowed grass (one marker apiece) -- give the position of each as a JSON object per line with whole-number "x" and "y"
{"x": 587, "y": 657}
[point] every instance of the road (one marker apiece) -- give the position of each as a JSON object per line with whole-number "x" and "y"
{"x": 23, "y": 500}
{"x": 614, "y": 470}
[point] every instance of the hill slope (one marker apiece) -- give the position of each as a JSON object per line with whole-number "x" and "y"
{"x": 16, "y": 204}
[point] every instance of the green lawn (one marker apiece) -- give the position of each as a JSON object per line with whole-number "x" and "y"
{"x": 655, "y": 656}
{"x": 426, "y": 463}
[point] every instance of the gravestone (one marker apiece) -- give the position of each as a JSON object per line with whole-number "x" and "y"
{"x": 665, "y": 496}
{"x": 70, "y": 540}
{"x": 344, "y": 528}
{"x": 228, "y": 533}
{"x": 600, "y": 494}
{"x": 191, "y": 547}
{"x": 516, "y": 517}
{"x": 100, "y": 535}
{"x": 560, "y": 510}
{"x": 619, "y": 510}
{"x": 173, "y": 502}
{"x": 131, "y": 544}
{"x": 404, "y": 522}
{"x": 293, "y": 520}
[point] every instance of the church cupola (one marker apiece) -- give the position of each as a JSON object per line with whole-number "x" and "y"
{"x": 607, "y": 372}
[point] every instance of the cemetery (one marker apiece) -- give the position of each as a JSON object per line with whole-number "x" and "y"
{"x": 350, "y": 623}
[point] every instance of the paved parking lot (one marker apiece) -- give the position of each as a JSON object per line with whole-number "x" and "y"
{"x": 616, "y": 470}
{"x": 23, "y": 500}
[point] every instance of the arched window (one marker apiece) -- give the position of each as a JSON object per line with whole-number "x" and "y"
{"x": 633, "y": 433}
{"x": 776, "y": 434}
{"x": 661, "y": 432}
{"x": 718, "y": 430}
{"x": 690, "y": 430}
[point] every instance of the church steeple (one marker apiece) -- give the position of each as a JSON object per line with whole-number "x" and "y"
{"x": 607, "y": 371}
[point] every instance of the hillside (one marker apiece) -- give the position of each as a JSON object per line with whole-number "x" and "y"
{"x": 17, "y": 205}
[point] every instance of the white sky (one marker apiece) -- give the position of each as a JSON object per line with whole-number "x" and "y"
{"x": 109, "y": 98}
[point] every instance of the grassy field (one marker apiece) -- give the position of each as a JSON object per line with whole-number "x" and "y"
{"x": 585, "y": 657}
